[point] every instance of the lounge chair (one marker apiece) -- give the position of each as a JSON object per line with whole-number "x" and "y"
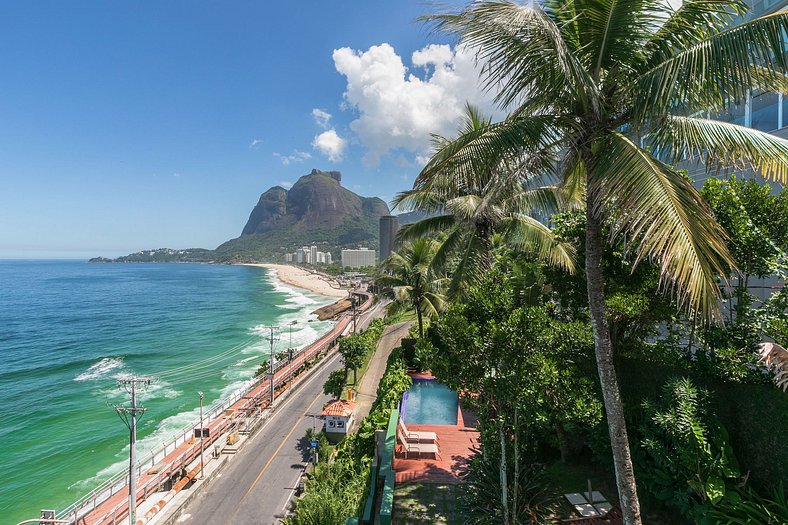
{"x": 418, "y": 448}
{"x": 417, "y": 437}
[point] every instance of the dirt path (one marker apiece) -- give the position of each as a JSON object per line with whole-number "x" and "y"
{"x": 368, "y": 387}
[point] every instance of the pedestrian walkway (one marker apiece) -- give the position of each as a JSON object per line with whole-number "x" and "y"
{"x": 368, "y": 387}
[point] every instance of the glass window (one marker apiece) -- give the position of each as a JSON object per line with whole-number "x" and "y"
{"x": 785, "y": 110}
{"x": 734, "y": 114}
{"x": 764, "y": 111}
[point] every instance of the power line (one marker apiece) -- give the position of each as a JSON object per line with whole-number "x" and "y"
{"x": 203, "y": 362}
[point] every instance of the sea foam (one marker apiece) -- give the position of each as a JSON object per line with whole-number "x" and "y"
{"x": 100, "y": 369}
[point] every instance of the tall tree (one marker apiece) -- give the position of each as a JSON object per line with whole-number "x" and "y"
{"x": 600, "y": 79}
{"x": 408, "y": 277}
{"x": 471, "y": 208}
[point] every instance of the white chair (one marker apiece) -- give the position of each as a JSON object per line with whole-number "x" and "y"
{"x": 417, "y": 437}
{"x": 418, "y": 448}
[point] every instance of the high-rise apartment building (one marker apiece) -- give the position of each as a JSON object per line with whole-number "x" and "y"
{"x": 358, "y": 258}
{"x": 389, "y": 226}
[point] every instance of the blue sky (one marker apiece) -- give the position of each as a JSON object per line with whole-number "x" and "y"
{"x": 134, "y": 125}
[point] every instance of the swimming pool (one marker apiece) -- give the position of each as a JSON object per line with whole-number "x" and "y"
{"x": 429, "y": 402}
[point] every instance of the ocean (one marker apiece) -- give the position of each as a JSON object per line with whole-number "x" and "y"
{"x": 70, "y": 329}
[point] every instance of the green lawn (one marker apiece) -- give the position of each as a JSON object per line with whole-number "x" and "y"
{"x": 426, "y": 503}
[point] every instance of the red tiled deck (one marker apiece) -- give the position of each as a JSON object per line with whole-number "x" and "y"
{"x": 456, "y": 444}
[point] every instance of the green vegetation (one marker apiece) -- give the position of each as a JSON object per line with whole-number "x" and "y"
{"x": 588, "y": 79}
{"x": 335, "y": 383}
{"x": 409, "y": 277}
{"x": 336, "y": 487}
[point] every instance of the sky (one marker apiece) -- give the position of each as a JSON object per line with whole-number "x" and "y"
{"x": 134, "y": 125}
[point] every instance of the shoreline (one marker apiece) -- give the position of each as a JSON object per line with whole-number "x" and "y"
{"x": 300, "y": 278}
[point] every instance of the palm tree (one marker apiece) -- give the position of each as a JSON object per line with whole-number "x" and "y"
{"x": 408, "y": 277}
{"x": 473, "y": 206}
{"x": 617, "y": 87}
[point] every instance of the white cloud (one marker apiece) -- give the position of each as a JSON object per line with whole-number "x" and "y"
{"x": 398, "y": 109}
{"x": 330, "y": 144}
{"x": 255, "y": 143}
{"x": 286, "y": 184}
{"x": 321, "y": 117}
{"x": 297, "y": 156}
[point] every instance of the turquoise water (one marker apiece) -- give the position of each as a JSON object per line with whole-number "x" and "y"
{"x": 69, "y": 330}
{"x": 431, "y": 403}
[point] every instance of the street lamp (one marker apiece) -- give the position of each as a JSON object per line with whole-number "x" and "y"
{"x": 290, "y": 353}
{"x": 202, "y": 433}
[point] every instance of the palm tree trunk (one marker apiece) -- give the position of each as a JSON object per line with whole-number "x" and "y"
{"x": 614, "y": 409}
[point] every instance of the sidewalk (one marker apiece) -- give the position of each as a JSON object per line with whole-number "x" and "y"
{"x": 368, "y": 387}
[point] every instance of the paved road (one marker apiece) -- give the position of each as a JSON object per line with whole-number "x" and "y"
{"x": 256, "y": 485}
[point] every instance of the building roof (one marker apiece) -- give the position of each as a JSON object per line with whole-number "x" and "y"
{"x": 339, "y": 408}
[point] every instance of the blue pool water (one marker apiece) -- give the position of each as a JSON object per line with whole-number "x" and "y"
{"x": 430, "y": 403}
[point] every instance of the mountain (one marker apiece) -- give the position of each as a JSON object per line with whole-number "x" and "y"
{"x": 414, "y": 216}
{"x": 316, "y": 210}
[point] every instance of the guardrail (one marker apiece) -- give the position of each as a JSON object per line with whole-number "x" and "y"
{"x": 75, "y": 512}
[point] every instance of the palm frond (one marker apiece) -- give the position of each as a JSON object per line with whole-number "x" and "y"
{"x": 425, "y": 228}
{"x": 464, "y": 207}
{"x": 611, "y": 33}
{"x": 521, "y": 49}
{"x": 689, "y": 23}
{"x": 533, "y": 237}
{"x": 667, "y": 219}
{"x": 469, "y": 269}
{"x": 470, "y": 157}
{"x": 722, "y": 143}
{"x": 421, "y": 199}
{"x": 714, "y": 72}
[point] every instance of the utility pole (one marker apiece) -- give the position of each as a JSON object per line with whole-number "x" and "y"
{"x": 202, "y": 435}
{"x": 271, "y": 340}
{"x": 129, "y": 416}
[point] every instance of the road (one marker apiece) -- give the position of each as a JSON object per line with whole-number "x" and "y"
{"x": 256, "y": 485}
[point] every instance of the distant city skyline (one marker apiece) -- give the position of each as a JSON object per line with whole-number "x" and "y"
{"x": 126, "y": 127}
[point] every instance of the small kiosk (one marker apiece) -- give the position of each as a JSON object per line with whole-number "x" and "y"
{"x": 338, "y": 416}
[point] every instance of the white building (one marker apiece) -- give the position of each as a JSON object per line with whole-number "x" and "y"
{"x": 338, "y": 417}
{"x": 358, "y": 258}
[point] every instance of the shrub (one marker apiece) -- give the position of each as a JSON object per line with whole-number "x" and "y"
{"x": 333, "y": 491}
{"x": 751, "y": 508}
{"x": 480, "y": 497}
{"x": 688, "y": 462}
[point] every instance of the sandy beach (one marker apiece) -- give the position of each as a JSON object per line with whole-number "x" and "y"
{"x": 295, "y": 276}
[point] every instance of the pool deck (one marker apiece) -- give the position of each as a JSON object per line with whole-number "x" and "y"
{"x": 456, "y": 444}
